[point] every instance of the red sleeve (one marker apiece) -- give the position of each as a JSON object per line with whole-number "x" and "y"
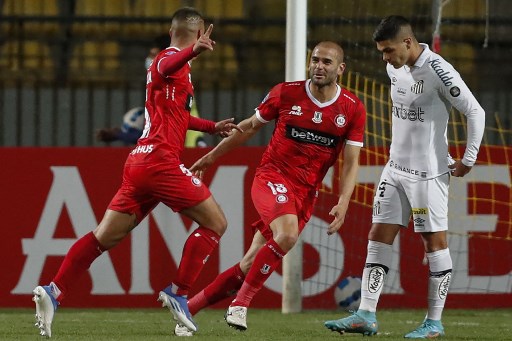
{"x": 172, "y": 61}
{"x": 269, "y": 107}
{"x": 200, "y": 124}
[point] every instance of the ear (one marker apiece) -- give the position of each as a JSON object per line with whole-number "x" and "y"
{"x": 408, "y": 42}
{"x": 341, "y": 69}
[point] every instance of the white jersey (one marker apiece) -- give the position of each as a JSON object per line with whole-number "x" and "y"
{"x": 422, "y": 98}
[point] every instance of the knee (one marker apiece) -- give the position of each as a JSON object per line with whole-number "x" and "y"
{"x": 108, "y": 240}
{"x": 286, "y": 240}
{"x": 220, "y": 225}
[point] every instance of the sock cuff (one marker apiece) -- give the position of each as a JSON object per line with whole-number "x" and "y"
{"x": 439, "y": 261}
{"x": 379, "y": 253}
{"x": 272, "y": 245}
{"x": 209, "y": 235}
{"x": 238, "y": 272}
{"x": 91, "y": 237}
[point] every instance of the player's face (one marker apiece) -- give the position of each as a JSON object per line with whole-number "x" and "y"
{"x": 324, "y": 67}
{"x": 395, "y": 52}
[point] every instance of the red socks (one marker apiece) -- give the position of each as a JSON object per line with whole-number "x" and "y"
{"x": 77, "y": 261}
{"x": 266, "y": 261}
{"x": 225, "y": 285}
{"x": 196, "y": 251}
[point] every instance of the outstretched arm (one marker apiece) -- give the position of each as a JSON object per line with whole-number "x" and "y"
{"x": 348, "y": 182}
{"x": 247, "y": 129}
{"x": 224, "y": 128}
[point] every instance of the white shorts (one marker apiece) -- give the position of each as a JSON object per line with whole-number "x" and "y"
{"x": 398, "y": 196}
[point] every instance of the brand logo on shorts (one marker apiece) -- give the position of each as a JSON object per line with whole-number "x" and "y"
{"x": 281, "y": 198}
{"x": 419, "y": 222}
{"x": 423, "y": 210}
{"x": 375, "y": 279}
{"x": 196, "y": 181}
{"x": 376, "y": 208}
{"x": 265, "y": 269}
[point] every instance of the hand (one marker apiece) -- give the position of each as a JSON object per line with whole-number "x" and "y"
{"x": 107, "y": 134}
{"x": 459, "y": 169}
{"x": 204, "y": 42}
{"x": 338, "y": 212}
{"x": 225, "y": 127}
{"x": 200, "y": 166}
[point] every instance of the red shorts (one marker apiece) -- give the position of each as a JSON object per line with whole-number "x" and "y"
{"x": 273, "y": 197}
{"x": 144, "y": 186}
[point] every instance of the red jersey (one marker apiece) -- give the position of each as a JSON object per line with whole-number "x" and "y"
{"x": 168, "y": 104}
{"x": 308, "y": 135}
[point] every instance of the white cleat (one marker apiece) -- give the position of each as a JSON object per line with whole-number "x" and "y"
{"x": 236, "y": 317}
{"x": 45, "y": 309}
{"x": 181, "y": 330}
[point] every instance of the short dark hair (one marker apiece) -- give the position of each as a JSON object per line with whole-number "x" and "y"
{"x": 389, "y": 28}
{"x": 184, "y": 13}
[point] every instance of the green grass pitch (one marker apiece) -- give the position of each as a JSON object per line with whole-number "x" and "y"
{"x": 155, "y": 324}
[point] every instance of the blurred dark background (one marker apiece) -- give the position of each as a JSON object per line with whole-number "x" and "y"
{"x": 68, "y": 67}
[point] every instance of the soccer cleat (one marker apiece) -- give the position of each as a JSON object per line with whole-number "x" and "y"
{"x": 236, "y": 317}
{"x": 429, "y": 329}
{"x": 181, "y": 330}
{"x": 46, "y": 305}
{"x": 362, "y": 321}
{"x": 179, "y": 308}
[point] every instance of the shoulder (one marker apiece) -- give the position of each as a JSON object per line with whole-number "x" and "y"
{"x": 291, "y": 86}
{"x": 348, "y": 96}
{"x": 287, "y": 88}
{"x": 349, "y": 100}
{"x": 440, "y": 70}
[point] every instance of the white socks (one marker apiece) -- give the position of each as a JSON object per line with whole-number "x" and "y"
{"x": 440, "y": 264}
{"x": 378, "y": 259}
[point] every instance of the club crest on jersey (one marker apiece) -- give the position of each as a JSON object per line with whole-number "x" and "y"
{"x": 317, "y": 117}
{"x": 296, "y": 110}
{"x": 340, "y": 121}
{"x": 417, "y": 88}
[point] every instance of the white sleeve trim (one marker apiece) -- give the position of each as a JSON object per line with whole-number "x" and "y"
{"x": 354, "y": 143}
{"x": 258, "y": 116}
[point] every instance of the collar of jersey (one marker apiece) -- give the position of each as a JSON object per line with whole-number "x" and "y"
{"x": 423, "y": 56}
{"x": 317, "y": 102}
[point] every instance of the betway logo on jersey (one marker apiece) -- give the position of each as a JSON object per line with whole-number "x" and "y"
{"x": 311, "y": 136}
{"x": 408, "y": 113}
{"x": 443, "y": 75}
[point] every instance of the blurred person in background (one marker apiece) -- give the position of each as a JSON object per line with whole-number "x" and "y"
{"x": 424, "y": 87}
{"x": 153, "y": 173}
